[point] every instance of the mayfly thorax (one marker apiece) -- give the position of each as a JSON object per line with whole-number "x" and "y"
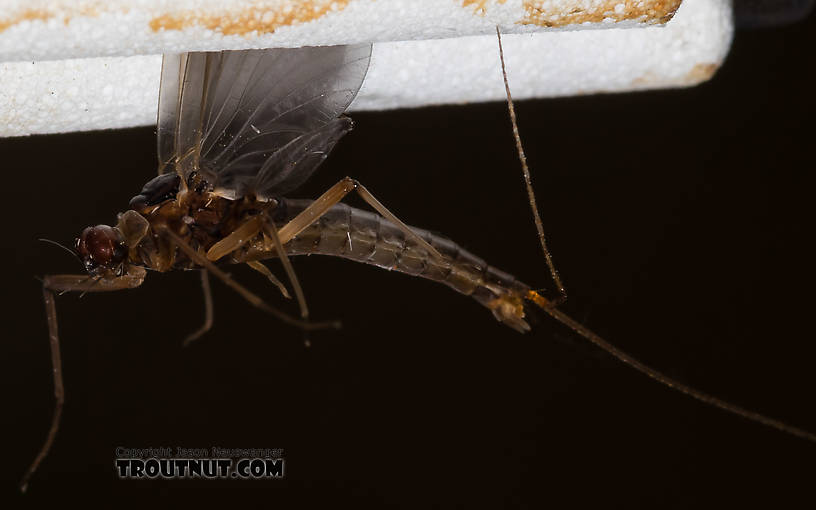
{"x": 237, "y": 132}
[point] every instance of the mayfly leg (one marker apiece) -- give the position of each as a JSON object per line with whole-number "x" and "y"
{"x": 59, "y": 389}
{"x": 252, "y": 298}
{"x": 272, "y": 232}
{"x": 248, "y": 230}
{"x": 333, "y": 196}
{"x": 318, "y": 208}
{"x": 61, "y": 284}
{"x": 209, "y": 312}
{"x": 259, "y": 267}
{"x": 321, "y": 206}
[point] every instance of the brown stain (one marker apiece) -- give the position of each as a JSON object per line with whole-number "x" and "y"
{"x": 94, "y": 10}
{"x": 646, "y": 11}
{"x": 65, "y": 12}
{"x": 701, "y": 72}
{"x": 646, "y": 79}
{"x": 25, "y": 15}
{"x": 263, "y": 18}
{"x": 479, "y": 6}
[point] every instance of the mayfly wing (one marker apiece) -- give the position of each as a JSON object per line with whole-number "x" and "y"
{"x": 178, "y": 130}
{"x": 190, "y": 86}
{"x": 168, "y": 110}
{"x": 285, "y": 120}
{"x": 256, "y": 121}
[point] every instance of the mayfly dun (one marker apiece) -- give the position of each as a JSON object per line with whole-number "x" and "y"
{"x": 237, "y": 133}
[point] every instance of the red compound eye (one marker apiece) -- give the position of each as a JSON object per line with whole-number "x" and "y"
{"x": 101, "y": 246}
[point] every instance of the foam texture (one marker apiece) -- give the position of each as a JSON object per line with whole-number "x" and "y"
{"x": 626, "y": 53}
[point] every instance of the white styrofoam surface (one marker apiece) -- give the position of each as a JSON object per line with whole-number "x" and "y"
{"x": 59, "y": 29}
{"x": 115, "y": 92}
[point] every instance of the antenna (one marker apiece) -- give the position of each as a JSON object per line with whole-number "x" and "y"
{"x": 69, "y": 250}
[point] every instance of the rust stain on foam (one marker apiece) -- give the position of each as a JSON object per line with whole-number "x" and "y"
{"x": 260, "y": 17}
{"x": 25, "y": 15}
{"x": 699, "y": 73}
{"x": 542, "y": 13}
{"x": 480, "y": 6}
{"x": 57, "y": 10}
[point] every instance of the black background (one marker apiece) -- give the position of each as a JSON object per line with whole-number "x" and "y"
{"x": 681, "y": 223}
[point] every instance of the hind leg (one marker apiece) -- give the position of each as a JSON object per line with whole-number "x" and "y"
{"x": 208, "y": 310}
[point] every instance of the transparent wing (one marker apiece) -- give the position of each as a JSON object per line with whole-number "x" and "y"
{"x": 256, "y": 121}
{"x": 179, "y": 127}
{"x": 169, "y": 92}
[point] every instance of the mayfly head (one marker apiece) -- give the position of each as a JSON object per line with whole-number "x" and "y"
{"x": 102, "y": 249}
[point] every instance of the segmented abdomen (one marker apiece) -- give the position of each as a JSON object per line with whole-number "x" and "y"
{"x": 366, "y": 237}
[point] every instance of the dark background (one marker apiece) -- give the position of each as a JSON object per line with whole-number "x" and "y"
{"x": 681, "y": 222}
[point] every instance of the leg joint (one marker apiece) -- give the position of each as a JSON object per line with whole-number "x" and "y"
{"x": 350, "y": 184}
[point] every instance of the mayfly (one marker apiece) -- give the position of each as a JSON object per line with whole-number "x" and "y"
{"x": 237, "y": 132}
